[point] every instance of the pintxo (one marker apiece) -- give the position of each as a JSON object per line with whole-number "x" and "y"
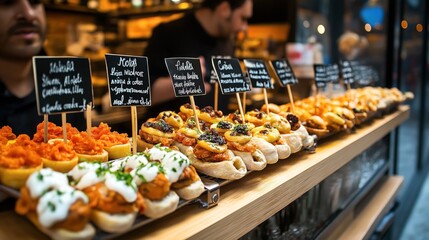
{"x": 128, "y": 79}
{"x": 284, "y": 72}
{"x": 63, "y": 84}
{"x": 230, "y": 75}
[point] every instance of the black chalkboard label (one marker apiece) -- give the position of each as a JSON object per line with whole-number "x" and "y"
{"x": 186, "y": 75}
{"x": 333, "y": 73}
{"x": 230, "y": 76}
{"x": 213, "y": 75}
{"x": 63, "y": 84}
{"x": 284, "y": 72}
{"x": 320, "y": 75}
{"x": 347, "y": 72}
{"x": 128, "y": 80}
{"x": 258, "y": 73}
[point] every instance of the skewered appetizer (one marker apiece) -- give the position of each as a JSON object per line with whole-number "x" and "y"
{"x": 209, "y": 115}
{"x": 116, "y": 144}
{"x": 239, "y": 141}
{"x": 54, "y": 207}
{"x": 187, "y": 136}
{"x": 155, "y": 131}
{"x": 179, "y": 171}
{"x": 18, "y": 161}
{"x": 58, "y": 155}
{"x": 113, "y": 196}
{"x": 171, "y": 118}
{"x": 271, "y": 136}
{"x": 54, "y": 132}
{"x": 88, "y": 149}
{"x": 211, "y": 156}
{"x": 186, "y": 111}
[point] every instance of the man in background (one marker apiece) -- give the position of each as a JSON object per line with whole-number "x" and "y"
{"x": 22, "y": 33}
{"x": 207, "y": 32}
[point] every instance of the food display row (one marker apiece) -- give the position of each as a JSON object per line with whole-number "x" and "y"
{"x": 175, "y": 152}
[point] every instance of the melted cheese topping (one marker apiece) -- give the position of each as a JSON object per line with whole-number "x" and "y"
{"x": 54, "y": 205}
{"x": 122, "y": 184}
{"x": 42, "y": 181}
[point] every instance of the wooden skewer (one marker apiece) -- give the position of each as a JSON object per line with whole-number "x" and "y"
{"x": 266, "y": 100}
{"x": 291, "y": 98}
{"x": 239, "y": 106}
{"x": 134, "y": 128}
{"x": 244, "y": 101}
{"x": 45, "y": 128}
{"x": 216, "y": 96}
{"x": 88, "y": 120}
{"x": 195, "y": 112}
{"x": 64, "y": 122}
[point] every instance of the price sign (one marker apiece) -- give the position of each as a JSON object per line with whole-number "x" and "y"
{"x": 333, "y": 73}
{"x": 128, "y": 80}
{"x": 186, "y": 75}
{"x": 320, "y": 75}
{"x": 284, "y": 72}
{"x": 258, "y": 73}
{"x": 347, "y": 72}
{"x": 63, "y": 84}
{"x": 230, "y": 76}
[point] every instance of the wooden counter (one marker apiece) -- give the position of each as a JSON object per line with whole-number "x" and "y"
{"x": 249, "y": 201}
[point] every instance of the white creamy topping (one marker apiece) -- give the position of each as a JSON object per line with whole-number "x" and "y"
{"x": 135, "y": 160}
{"x": 128, "y": 189}
{"x": 157, "y": 153}
{"x": 41, "y": 181}
{"x": 145, "y": 173}
{"x": 117, "y": 166}
{"x": 83, "y": 168}
{"x": 174, "y": 162}
{"x": 130, "y": 162}
{"x": 89, "y": 179}
{"x": 55, "y": 204}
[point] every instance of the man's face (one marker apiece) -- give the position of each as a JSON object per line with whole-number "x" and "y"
{"x": 237, "y": 21}
{"x": 22, "y": 28}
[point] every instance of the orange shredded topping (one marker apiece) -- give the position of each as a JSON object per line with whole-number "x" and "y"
{"x": 16, "y": 156}
{"x": 57, "y": 151}
{"x": 25, "y": 141}
{"x": 107, "y": 137}
{"x": 6, "y": 132}
{"x": 54, "y": 131}
{"x": 84, "y": 145}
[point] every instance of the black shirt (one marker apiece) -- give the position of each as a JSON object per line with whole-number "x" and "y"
{"x": 21, "y": 113}
{"x": 185, "y": 37}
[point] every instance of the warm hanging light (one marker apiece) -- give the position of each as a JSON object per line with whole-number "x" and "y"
{"x": 368, "y": 27}
{"x": 419, "y": 27}
{"x": 321, "y": 29}
{"x": 404, "y": 24}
